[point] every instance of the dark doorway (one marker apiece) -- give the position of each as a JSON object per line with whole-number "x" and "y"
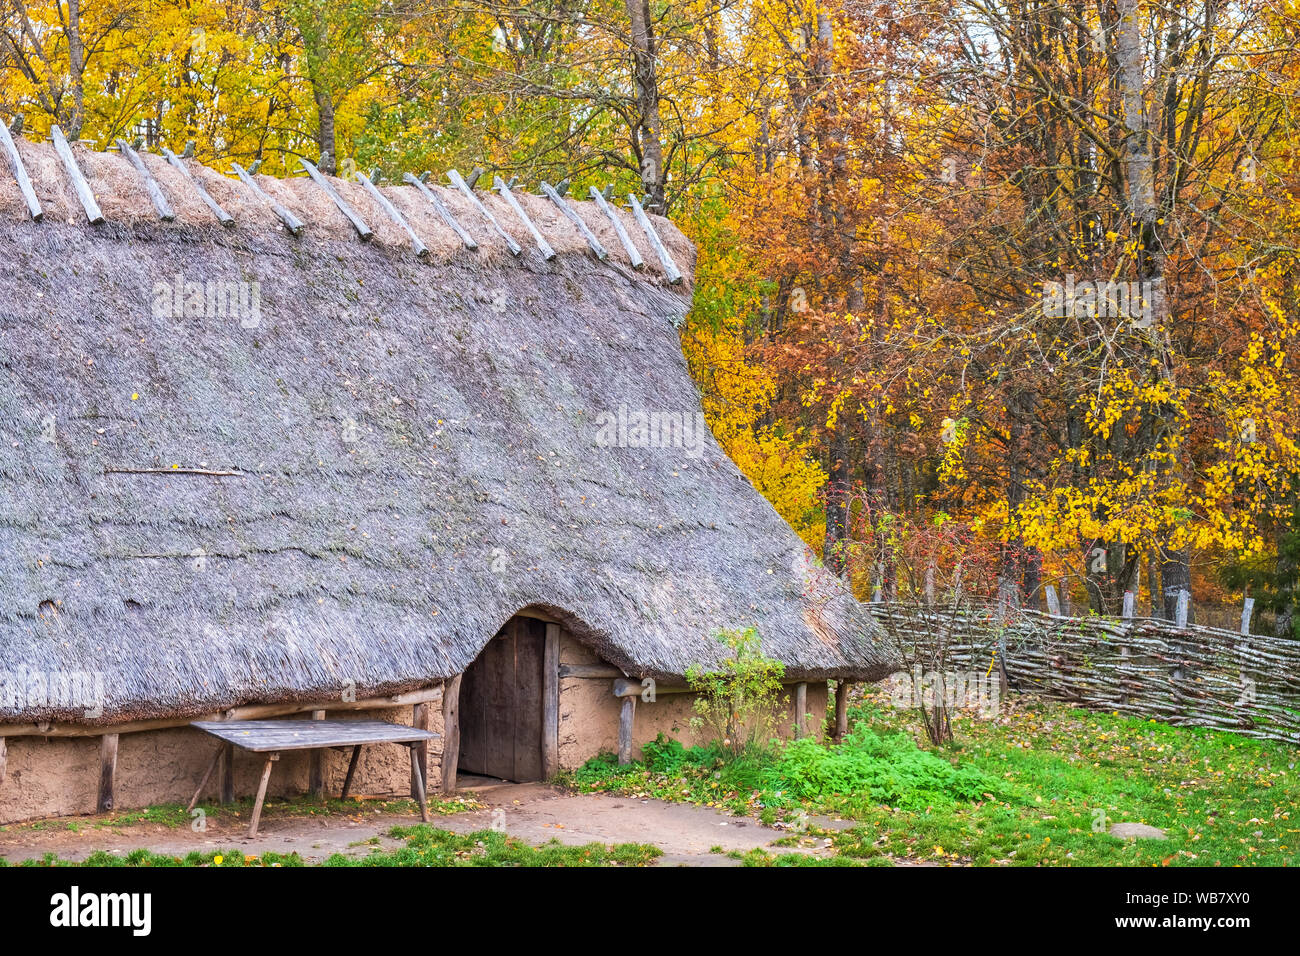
{"x": 501, "y": 705}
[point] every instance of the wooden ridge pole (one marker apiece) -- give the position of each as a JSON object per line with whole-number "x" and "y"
{"x": 79, "y": 183}
{"x": 670, "y": 268}
{"x": 547, "y": 252}
{"x": 468, "y": 193}
{"x": 623, "y": 237}
{"x": 291, "y": 222}
{"x": 20, "y": 174}
{"x": 442, "y": 210}
{"x": 362, "y": 229}
{"x": 417, "y": 245}
{"x": 573, "y": 217}
{"x": 223, "y": 217}
{"x": 158, "y": 197}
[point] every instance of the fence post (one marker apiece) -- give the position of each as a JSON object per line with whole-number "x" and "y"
{"x": 1246, "y": 611}
{"x": 1053, "y": 603}
{"x": 1184, "y": 604}
{"x": 1129, "y": 600}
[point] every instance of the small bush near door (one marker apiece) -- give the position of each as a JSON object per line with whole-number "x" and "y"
{"x": 740, "y": 702}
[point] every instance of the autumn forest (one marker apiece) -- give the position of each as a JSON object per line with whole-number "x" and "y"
{"x": 1016, "y": 277}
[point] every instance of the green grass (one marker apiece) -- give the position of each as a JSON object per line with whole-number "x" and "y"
{"x": 147, "y": 858}
{"x": 1025, "y": 788}
{"x": 425, "y": 846}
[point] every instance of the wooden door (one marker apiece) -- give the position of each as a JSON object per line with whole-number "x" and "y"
{"x": 501, "y": 705}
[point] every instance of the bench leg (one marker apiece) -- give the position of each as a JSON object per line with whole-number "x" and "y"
{"x": 261, "y": 794}
{"x": 204, "y": 782}
{"x": 419, "y": 782}
{"x": 352, "y": 768}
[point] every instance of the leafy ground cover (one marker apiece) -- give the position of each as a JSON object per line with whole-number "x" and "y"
{"x": 1040, "y": 784}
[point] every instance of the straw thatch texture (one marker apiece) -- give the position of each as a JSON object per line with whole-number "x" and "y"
{"x": 356, "y": 490}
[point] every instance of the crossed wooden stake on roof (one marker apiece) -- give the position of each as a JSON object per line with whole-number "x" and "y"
{"x": 296, "y": 225}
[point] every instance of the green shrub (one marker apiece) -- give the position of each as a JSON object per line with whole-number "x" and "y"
{"x": 739, "y": 703}
{"x": 887, "y": 769}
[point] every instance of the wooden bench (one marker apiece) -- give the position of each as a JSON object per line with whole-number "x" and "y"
{"x": 270, "y": 737}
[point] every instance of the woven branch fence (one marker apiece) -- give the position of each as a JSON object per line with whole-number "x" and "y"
{"x": 1193, "y": 676}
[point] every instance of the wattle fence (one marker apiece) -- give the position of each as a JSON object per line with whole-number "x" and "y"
{"x": 1191, "y": 676}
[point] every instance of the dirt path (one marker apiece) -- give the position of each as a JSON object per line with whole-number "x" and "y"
{"x": 536, "y": 813}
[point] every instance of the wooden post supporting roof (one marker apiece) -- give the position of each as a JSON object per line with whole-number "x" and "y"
{"x": 800, "y": 709}
{"x": 632, "y": 253}
{"x": 443, "y": 211}
{"x": 156, "y": 195}
{"x": 316, "y": 765}
{"x": 107, "y": 770}
{"x": 291, "y": 222}
{"x": 4, "y": 758}
{"x": 74, "y": 173}
{"x": 670, "y": 268}
{"x": 627, "y": 717}
{"x": 551, "y": 702}
{"x": 362, "y": 229}
{"x": 500, "y": 186}
{"x": 228, "y": 773}
{"x": 223, "y": 217}
{"x": 450, "y": 733}
{"x": 20, "y": 174}
{"x": 468, "y": 193}
{"x": 573, "y": 217}
{"x": 420, "y": 720}
{"x": 417, "y": 245}
{"x": 842, "y": 688}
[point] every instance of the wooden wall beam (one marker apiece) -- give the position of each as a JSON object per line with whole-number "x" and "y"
{"x": 248, "y": 712}
{"x": 4, "y": 748}
{"x": 450, "y": 733}
{"x": 551, "y": 702}
{"x": 801, "y": 709}
{"x": 598, "y": 671}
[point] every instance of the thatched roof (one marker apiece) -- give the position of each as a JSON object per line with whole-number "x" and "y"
{"x": 359, "y": 489}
